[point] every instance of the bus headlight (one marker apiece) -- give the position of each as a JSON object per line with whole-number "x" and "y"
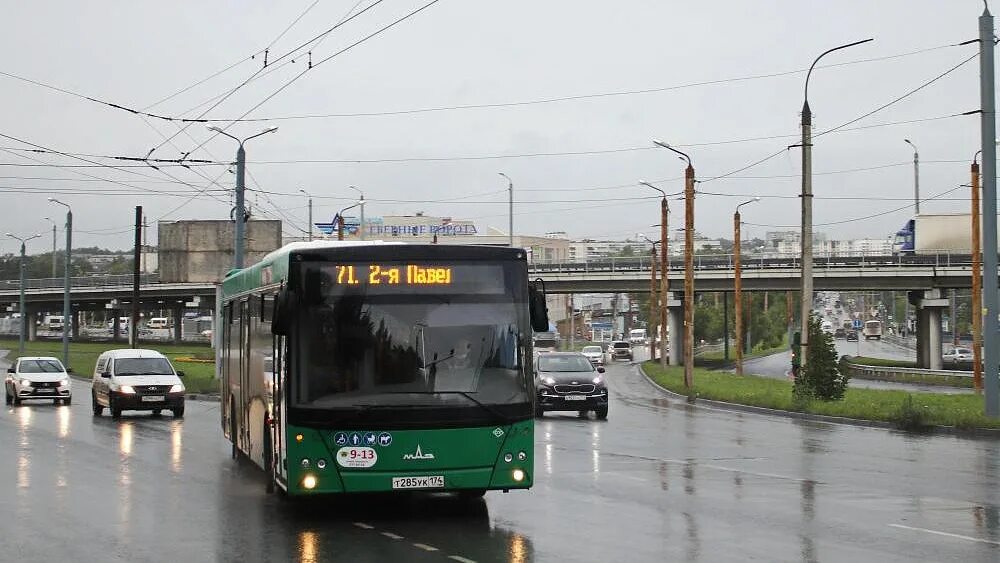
{"x": 518, "y": 475}
{"x": 321, "y": 463}
{"x": 508, "y": 458}
{"x": 305, "y": 463}
{"x": 521, "y": 456}
{"x": 309, "y": 482}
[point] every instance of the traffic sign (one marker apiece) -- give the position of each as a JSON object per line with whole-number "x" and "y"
{"x": 857, "y": 324}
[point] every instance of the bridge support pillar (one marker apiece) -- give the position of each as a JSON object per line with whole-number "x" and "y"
{"x": 76, "y": 324}
{"x": 116, "y": 326}
{"x": 675, "y": 329}
{"x": 929, "y": 310}
{"x": 178, "y": 313}
{"x": 32, "y": 326}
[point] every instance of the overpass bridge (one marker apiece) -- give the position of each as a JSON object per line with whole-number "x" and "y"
{"x": 927, "y": 275}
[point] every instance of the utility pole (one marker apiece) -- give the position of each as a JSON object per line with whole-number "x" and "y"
{"x": 688, "y": 264}
{"x": 572, "y": 325}
{"x": 310, "y": 224}
{"x": 652, "y": 304}
{"x": 977, "y": 285}
{"x": 738, "y": 285}
{"x": 988, "y": 135}
{"x": 67, "y": 272}
{"x": 664, "y": 270}
{"x": 134, "y": 323}
{"x": 21, "y": 307}
{"x": 510, "y": 209}
{"x": 240, "y": 214}
{"x": 807, "y": 195}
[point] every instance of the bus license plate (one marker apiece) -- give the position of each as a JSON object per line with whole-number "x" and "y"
{"x": 425, "y": 482}
{"x": 152, "y": 399}
{"x": 576, "y": 397}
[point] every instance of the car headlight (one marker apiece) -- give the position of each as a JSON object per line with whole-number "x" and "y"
{"x": 126, "y": 389}
{"x": 548, "y": 381}
{"x": 598, "y": 380}
{"x": 64, "y": 383}
{"x": 177, "y": 388}
{"x": 25, "y": 383}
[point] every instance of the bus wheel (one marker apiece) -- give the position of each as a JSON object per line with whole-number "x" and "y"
{"x": 268, "y": 460}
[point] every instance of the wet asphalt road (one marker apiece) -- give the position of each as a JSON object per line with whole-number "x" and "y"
{"x": 659, "y": 481}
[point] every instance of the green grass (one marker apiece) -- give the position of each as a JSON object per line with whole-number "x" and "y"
{"x": 198, "y": 377}
{"x": 963, "y": 411}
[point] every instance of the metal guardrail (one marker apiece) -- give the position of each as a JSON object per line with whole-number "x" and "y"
{"x": 762, "y": 262}
{"x": 885, "y": 372}
{"x": 80, "y": 282}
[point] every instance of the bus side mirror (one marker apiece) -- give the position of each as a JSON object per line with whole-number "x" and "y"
{"x": 281, "y": 318}
{"x": 537, "y": 308}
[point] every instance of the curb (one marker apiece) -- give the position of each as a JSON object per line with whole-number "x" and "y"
{"x": 207, "y": 397}
{"x": 723, "y": 405}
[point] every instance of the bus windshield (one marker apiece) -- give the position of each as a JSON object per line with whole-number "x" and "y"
{"x": 365, "y": 344}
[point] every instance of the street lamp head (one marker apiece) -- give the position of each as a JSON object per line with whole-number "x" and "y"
{"x": 683, "y": 155}
{"x": 214, "y": 128}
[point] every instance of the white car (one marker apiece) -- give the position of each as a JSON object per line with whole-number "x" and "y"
{"x": 136, "y": 380}
{"x": 958, "y": 355}
{"x": 595, "y": 354}
{"x": 37, "y": 378}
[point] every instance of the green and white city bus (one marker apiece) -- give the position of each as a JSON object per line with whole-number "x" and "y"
{"x": 372, "y": 366}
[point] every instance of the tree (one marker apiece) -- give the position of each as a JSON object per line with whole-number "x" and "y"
{"x": 821, "y": 377}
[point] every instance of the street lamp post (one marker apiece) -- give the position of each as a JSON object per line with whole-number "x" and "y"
{"x": 54, "y": 270}
{"x": 510, "y": 209}
{"x": 67, "y": 270}
{"x": 807, "y": 250}
{"x": 738, "y": 286}
{"x": 20, "y": 306}
{"x": 310, "y": 225}
{"x": 688, "y": 265}
{"x": 240, "y": 213}
{"x": 652, "y": 299}
{"x": 664, "y": 281}
{"x": 361, "y": 203}
{"x": 340, "y": 221}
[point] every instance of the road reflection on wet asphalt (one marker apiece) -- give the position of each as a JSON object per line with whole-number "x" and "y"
{"x": 660, "y": 480}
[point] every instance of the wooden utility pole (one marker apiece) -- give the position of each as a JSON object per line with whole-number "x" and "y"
{"x": 977, "y": 286}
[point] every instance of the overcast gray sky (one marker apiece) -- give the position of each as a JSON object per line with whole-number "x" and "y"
{"x": 473, "y": 52}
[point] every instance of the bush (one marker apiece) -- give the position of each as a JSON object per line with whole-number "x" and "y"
{"x": 911, "y": 416}
{"x": 821, "y": 378}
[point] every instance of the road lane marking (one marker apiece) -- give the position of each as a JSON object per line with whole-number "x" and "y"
{"x": 364, "y": 526}
{"x": 392, "y": 535}
{"x": 425, "y": 547}
{"x": 460, "y": 559}
{"x": 946, "y": 534}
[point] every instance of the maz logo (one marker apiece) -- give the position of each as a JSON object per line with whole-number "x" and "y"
{"x": 418, "y": 454}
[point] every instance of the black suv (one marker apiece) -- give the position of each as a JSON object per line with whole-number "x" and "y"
{"x": 620, "y": 350}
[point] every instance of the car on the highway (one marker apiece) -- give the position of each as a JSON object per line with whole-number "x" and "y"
{"x": 595, "y": 354}
{"x": 39, "y": 377}
{"x": 620, "y": 350}
{"x": 852, "y": 336}
{"x": 567, "y": 381}
{"x": 958, "y": 354}
{"x": 136, "y": 380}
{"x": 840, "y": 333}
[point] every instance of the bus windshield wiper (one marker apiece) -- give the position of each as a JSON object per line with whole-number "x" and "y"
{"x": 478, "y": 403}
